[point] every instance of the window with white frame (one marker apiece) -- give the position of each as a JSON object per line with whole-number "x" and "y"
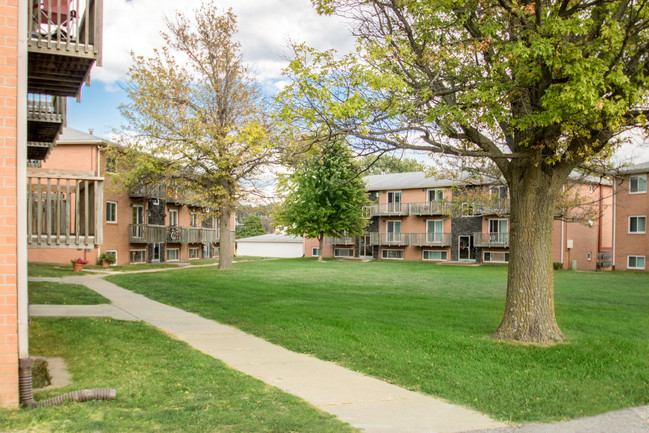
{"x": 193, "y": 219}
{"x": 343, "y": 252}
{"x": 435, "y": 255}
{"x": 194, "y": 253}
{"x": 637, "y": 224}
{"x": 173, "y": 254}
{"x": 111, "y": 212}
{"x": 500, "y": 191}
{"x": 636, "y": 262}
{"x": 215, "y": 252}
{"x": 173, "y": 217}
{"x": 435, "y": 195}
{"x": 112, "y": 253}
{"x": 315, "y": 251}
{"x": 638, "y": 184}
{"x": 434, "y": 231}
{"x": 111, "y": 165}
{"x": 392, "y": 254}
{"x": 495, "y": 256}
{"x": 138, "y": 256}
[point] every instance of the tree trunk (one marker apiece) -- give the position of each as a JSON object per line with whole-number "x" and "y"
{"x": 529, "y": 308}
{"x": 225, "y": 246}
{"x": 320, "y": 246}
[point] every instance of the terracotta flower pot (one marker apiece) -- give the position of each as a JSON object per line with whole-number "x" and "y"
{"x": 77, "y": 267}
{"x": 105, "y": 263}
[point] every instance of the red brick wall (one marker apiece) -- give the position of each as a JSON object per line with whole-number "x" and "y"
{"x": 8, "y": 210}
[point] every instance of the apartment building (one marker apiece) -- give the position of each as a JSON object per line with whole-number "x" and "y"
{"x": 148, "y": 224}
{"x": 414, "y": 217}
{"x": 47, "y": 50}
{"x": 631, "y": 211}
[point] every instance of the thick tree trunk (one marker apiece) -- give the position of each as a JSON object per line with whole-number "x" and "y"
{"x": 320, "y": 246}
{"x": 529, "y": 308}
{"x": 225, "y": 246}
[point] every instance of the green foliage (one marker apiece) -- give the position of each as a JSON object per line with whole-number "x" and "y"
{"x": 252, "y": 227}
{"x": 324, "y": 196}
{"x": 385, "y": 164}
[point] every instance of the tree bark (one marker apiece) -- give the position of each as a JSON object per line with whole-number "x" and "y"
{"x": 529, "y": 308}
{"x": 225, "y": 246}
{"x": 320, "y": 246}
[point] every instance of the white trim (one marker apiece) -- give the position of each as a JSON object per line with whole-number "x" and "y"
{"x": 645, "y": 225}
{"x": 137, "y": 250}
{"x": 177, "y": 250}
{"x": 383, "y": 250}
{"x": 345, "y": 249}
{"x": 506, "y": 259}
{"x": 115, "y": 204}
{"x": 444, "y": 252}
{"x": 173, "y": 211}
{"x": 114, "y": 252}
{"x": 645, "y": 183}
{"x": 428, "y": 200}
{"x": 628, "y": 260}
{"x": 198, "y": 255}
{"x": 315, "y": 251}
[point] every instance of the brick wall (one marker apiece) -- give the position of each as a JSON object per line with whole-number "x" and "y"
{"x": 8, "y": 229}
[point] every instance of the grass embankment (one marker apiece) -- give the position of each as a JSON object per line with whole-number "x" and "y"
{"x": 42, "y": 292}
{"x": 423, "y": 326}
{"x": 162, "y": 386}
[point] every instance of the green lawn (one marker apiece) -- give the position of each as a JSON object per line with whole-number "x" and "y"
{"x": 43, "y": 292}
{"x": 162, "y": 386}
{"x": 423, "y": 326}
{"x": 56, "y": 270}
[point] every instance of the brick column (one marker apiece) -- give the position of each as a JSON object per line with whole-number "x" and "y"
{"x": 8, "y": 209}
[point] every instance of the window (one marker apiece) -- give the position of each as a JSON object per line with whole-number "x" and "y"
{"x": 392, "y": 254}
{"x": 498, "y": 231}
{"x": 637, "y": 224}
{"x": 343, "y": 252}
{"x": 638, "y": 184}
{"x": 435, "y": 195}
{"x": 112, "y": 253}
{"x": 636, "y": 262}
{"x": 394, "y": 201}
{"x": 193, "y": 219}
{"x": 138, "y": 256}
{"x": 194, "y": 253}
{"x": 315, "y": 251}
{"x": 496, "y": 257}
{"x": 435, "y": 255}
{"x": 215, "y": 252}
{"x": 434, "y": 230}
{"x": 173, "y": 254}
{"x": 500, "y": 191}
{"x": 394, "y": 231}
{"x": 111, "y": 165}
{"x": 111, "y": 212}
{"x": 173, "y": 217}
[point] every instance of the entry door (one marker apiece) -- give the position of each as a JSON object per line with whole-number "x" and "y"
{"x": 155, "y": 253}
{"x": 365, "y": 247}
{"x": 434, "y": 230}
{"x": 394, "y": 201}
{"x": 138, "y": 220}
{"x": 465, "y": 247}
{"x": 394, "y": 231}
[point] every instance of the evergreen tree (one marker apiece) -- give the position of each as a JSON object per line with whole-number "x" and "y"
{"x": 252, "y": 227}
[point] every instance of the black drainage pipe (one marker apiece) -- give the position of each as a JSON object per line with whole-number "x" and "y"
{"x": 27, "y": 396}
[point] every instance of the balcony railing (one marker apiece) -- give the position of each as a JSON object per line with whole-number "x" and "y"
{"x": 491, "y": 207}
{"x": 386, "y": 239}
{"x": 70, "y": 29}
{"x": 341, "y": 240}
{"x": 150, "y": 191}
{"x": 429, "y": 208}
{"x": 430, "y": 239}
{"x": 45, "y": 119}
{"x": 387, "y": 209}
{"x": 151, "y": 233}
{"x": 500, "y": 240}
{"x": 64, "y": 211}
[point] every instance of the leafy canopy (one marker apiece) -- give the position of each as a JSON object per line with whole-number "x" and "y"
{"x": 252, "y": 227}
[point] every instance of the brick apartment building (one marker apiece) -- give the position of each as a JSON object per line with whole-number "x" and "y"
{"x": 413, "y": 217}
{"x": 46, "y": 54}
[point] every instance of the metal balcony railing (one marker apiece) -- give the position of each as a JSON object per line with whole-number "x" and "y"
{"x": 500, "y": 240}
{"x": 390, "y": 239}
{"x": 429, "y": 208}
{"x": 64, "y": 211}
{"x": 430, "y": 239}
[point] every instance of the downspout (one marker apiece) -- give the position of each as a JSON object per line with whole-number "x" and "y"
{"x": 614, "y": 219}
{"x": 562, "y": 237}
{"x": 599, "y": 226}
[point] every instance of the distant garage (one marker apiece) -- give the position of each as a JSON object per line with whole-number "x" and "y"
{"x": 271, "y": 245}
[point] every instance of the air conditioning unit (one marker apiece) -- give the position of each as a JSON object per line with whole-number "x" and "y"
{"x": 155, "y": 202}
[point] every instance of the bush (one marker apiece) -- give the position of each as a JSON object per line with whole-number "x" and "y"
{"x": 556, "y": 265}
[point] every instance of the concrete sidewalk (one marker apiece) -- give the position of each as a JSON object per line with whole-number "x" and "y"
{"x": 364, "y": 402}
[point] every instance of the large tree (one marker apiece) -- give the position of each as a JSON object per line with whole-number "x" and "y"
{"x": 323, "y": 196}
{"x": 385, "y": 163}
{"x": 537, "y": 87}
{"x": 197, "y": 118}
{"x": 252, "y": 227}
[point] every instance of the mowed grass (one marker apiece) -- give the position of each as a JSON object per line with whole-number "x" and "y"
{"x": 44, "y": 292}
{"x": 56, "y": 270}
{"x": 425, "y": 326}
{"x": 162, "y": 386}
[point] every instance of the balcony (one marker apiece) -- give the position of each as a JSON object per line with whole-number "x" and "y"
{"x": 498, "y": 206}
{"x": 150, "y": 233}
{"x": 430, "y": 239}
{"x": 390, "y": 239}
{"x": 387, "y": 209}
{"x": 429, "y": 208}
{"x": 341, "y": 240}
{"x": 150, "y": 191}
{"x": 64, "y": 211}
{"x": 63, "y": 42}
{"x": 498, "y": 240}
{"x": 46, "y": 116}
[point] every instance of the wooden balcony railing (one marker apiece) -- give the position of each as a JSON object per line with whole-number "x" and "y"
{"x": 387, "y": 209}
{"x": 429, "y": 208}
{"x": 491, "y": 207}
{"x": 149, "y": 191}
{"x": 151, "y": 233}
{"x": 390, "y": 239}
{"x": 70, "y": 29}
{"x": 64, "y": 211}
{"x": 430, "y": 239}
{"x": 45, "y": 120}
{"x": 340, "y": 240}
{"x": 499, "y": 240}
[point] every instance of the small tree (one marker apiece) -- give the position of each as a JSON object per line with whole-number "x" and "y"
{"x": 197, "y": 119}
{"x": 324, "y": 196}
{"x": 252, "y": 227}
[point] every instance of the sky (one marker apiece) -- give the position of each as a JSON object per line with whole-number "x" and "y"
{"x": 265, "y": 27}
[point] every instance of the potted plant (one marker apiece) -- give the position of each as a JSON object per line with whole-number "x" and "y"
{"x": 106, "y": 259}
{"x": 77, "y": 264}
